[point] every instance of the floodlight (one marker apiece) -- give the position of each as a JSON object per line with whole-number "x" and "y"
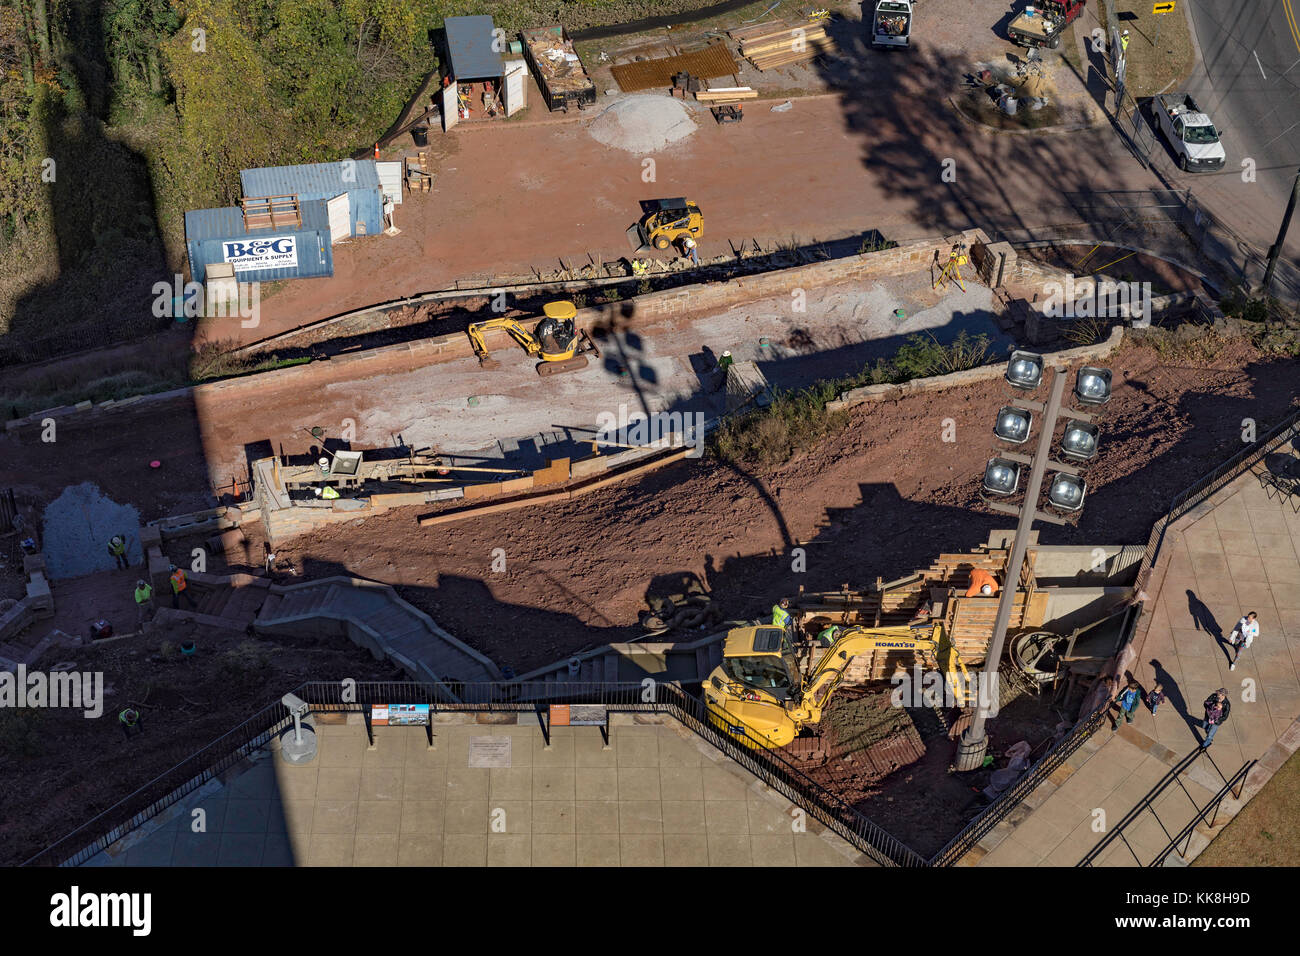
{"x": 1066, "y": 491}
{"x": 1001, "y": 477}
{"x": 1092, "y": 385}
{"x": 1079, "y": 441}
{"x": 1013, "y": 425}
{"x": 1025, "y": 369}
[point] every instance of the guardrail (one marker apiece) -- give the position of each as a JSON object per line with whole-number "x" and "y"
{"x": 1233, "y": 786}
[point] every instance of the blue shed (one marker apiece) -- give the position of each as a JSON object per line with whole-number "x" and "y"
{"x": 359, "y": 179}
{"x": 292, "y": 251}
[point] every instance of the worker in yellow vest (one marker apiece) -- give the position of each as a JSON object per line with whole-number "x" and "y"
{"x": 117, "y": 548}
{"x": 143, "y": 601}
{"x": 180, "y": 588}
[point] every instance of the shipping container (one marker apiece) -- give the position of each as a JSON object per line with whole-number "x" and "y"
{"x": 358, "y": 179}
{"x": 560, "y": 74}
{"x": 294, "y": 251}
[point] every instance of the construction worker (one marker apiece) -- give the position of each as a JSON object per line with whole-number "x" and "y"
{"x": 688, "y": 249}
{"x": 1123, "y": 43}
{"x": 180, "y": 588}
{"x": 131, "y": 722}
{"x": 143, "y": 602}
{"x": 781, "y": 614}
{"x": 117, "y": 548}
{"x": 388, "y": 211}
{"x": 982, "y": 584}
{"x": 829, "y": 635}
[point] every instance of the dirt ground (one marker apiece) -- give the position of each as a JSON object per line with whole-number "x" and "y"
{"x": 884, "y": 498}
{"x": 186, "y": 704}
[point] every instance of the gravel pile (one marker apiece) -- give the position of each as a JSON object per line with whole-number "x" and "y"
{"x": 76, "y": 530}
{"x": 643, "y": 124}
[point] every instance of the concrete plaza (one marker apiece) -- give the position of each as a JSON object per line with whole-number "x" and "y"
{"x": 658, "y": 796}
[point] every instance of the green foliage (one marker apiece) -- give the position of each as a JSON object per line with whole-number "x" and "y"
{"x": 798, "y": 420}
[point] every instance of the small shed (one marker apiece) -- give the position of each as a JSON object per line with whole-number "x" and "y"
{"x": 296, "y": 245}
{"x": 472, "y": 52}
{"x": 357, "y": 180}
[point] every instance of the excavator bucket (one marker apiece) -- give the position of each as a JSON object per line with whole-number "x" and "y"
{"x": 636, "y": 240}
{"x": 488, "y": 363}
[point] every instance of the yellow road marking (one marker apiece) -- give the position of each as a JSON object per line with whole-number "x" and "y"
{"x": 1292, "y": 22}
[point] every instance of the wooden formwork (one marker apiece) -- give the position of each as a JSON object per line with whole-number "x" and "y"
{"x": 968, "y": 621}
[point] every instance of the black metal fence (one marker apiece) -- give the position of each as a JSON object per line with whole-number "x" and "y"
{"x": 1211, "y": 809}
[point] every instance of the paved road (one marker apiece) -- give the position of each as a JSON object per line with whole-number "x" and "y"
{"x": 1248, "y": 78}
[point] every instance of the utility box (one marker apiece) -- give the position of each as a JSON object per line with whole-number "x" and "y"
{"x": 222, "y": 288}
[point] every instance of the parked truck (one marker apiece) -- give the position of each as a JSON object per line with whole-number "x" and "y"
{"x": 560, "y": 74}
{"x": 1043, "y": 22}
{"x": 892, "y": 24}
{"x": 1189, "y": 132}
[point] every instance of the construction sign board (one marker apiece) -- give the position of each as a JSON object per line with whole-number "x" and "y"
{"x": 579, "y": 715}
{"x": 399, "y": 715}
{"x": 1164, "y": 7}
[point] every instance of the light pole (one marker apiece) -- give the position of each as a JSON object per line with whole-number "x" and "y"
{"x": 974, "y": 742}
{"x": 1276, "y": 252}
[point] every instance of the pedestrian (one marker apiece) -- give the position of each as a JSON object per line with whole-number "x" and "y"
{"x": 1128, "y": 701}
{"x": 180, "y": 589}
{"x": 143, "y": 602}
{"x": 688, "y": 244}
{"x": 1243, "y": 635}
{"x": 117, "y": 548}
{"x": 131, "y": 722}
{"x": 1217, "y": 709}
{"x": 1156, "y": 698}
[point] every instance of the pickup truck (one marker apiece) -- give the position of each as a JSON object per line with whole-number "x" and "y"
{"x": 1189, "y": 132}
{"x": 892, "y": 24}
{"x": 1043, "y": 22}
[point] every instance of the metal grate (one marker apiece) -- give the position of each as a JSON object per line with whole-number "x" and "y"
{"x": 713, "y": 61}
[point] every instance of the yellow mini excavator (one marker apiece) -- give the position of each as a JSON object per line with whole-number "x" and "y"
{"x": 554, "y": 340}
{"x": 759, "y": 695}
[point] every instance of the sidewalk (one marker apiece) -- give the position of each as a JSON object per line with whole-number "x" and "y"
{"x": 1238, "y": 554}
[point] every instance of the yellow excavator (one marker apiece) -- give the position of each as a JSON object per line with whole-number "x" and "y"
{"x": 759, "y": 695}
{"x": 554, "y": 340}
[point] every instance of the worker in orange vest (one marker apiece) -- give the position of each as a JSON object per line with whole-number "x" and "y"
{"x": 180, "y": 589}
{"x": 982, "y": 584}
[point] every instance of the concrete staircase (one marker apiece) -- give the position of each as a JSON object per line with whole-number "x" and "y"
{"x": 374, "y": 617}
{"x": 687, "y": 662}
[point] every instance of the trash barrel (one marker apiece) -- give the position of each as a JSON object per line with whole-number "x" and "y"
{"x": 421, "y": 135}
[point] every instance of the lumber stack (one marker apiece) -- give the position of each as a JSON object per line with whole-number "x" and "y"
{"x": 771, "y": 45}
{"x": 724, "y": 95}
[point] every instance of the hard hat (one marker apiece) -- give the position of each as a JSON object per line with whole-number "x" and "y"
{"x": 171, "y": 567}
{"x": 140, "y": 583}
{"x": 986, "y": 589}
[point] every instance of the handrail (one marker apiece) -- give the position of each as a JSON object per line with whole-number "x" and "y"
{"x": 1186, "y": 832}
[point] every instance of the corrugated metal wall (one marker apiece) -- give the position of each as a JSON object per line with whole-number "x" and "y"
{"x": 321, "y": 181}
{"x": 218, "y": 235}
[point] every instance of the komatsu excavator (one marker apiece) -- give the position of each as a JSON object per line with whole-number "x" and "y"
{"x": 759, "y": 695}
{"x": 554, "y": 340}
